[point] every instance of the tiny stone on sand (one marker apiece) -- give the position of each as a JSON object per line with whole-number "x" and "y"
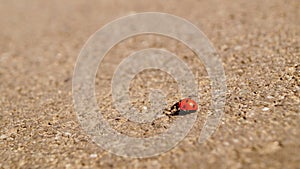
{"x": 266, "y": 109}
{"x": 93, "y": 155}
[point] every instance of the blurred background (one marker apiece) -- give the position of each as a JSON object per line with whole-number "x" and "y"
{"x": 259, "y": 45}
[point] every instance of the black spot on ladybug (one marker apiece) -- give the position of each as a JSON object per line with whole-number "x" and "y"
{"x": 187, "y": 100}
{"x": 193, "y": 106}
{"x": 183, "y": 106}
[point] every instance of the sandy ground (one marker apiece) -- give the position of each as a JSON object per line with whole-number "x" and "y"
{"x": 259, "y": 44}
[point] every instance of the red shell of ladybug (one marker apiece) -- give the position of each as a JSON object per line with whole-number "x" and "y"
{"x": 188, "y": 105}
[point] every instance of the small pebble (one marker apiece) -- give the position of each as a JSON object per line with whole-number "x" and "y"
{"x": 57, "y": 137}
{"x": 237, "y": 47}
{"x": 93, "y": 155}
{"x": 265, "y": 109}
{"x": 3, "y": 137}
{"x": 67, "y": 134}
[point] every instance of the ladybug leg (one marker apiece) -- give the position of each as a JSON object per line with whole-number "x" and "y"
{"x": 172, "y": 110}
{"x": 175, "y": 109}
{"x": 167, "y": 111}
{"x": 175, "y": 106}
{"x": 168, "y": 114}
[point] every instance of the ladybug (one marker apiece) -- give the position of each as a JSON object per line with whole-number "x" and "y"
{"x": 188, "y": 105}
{"x": 184, "y": 106}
